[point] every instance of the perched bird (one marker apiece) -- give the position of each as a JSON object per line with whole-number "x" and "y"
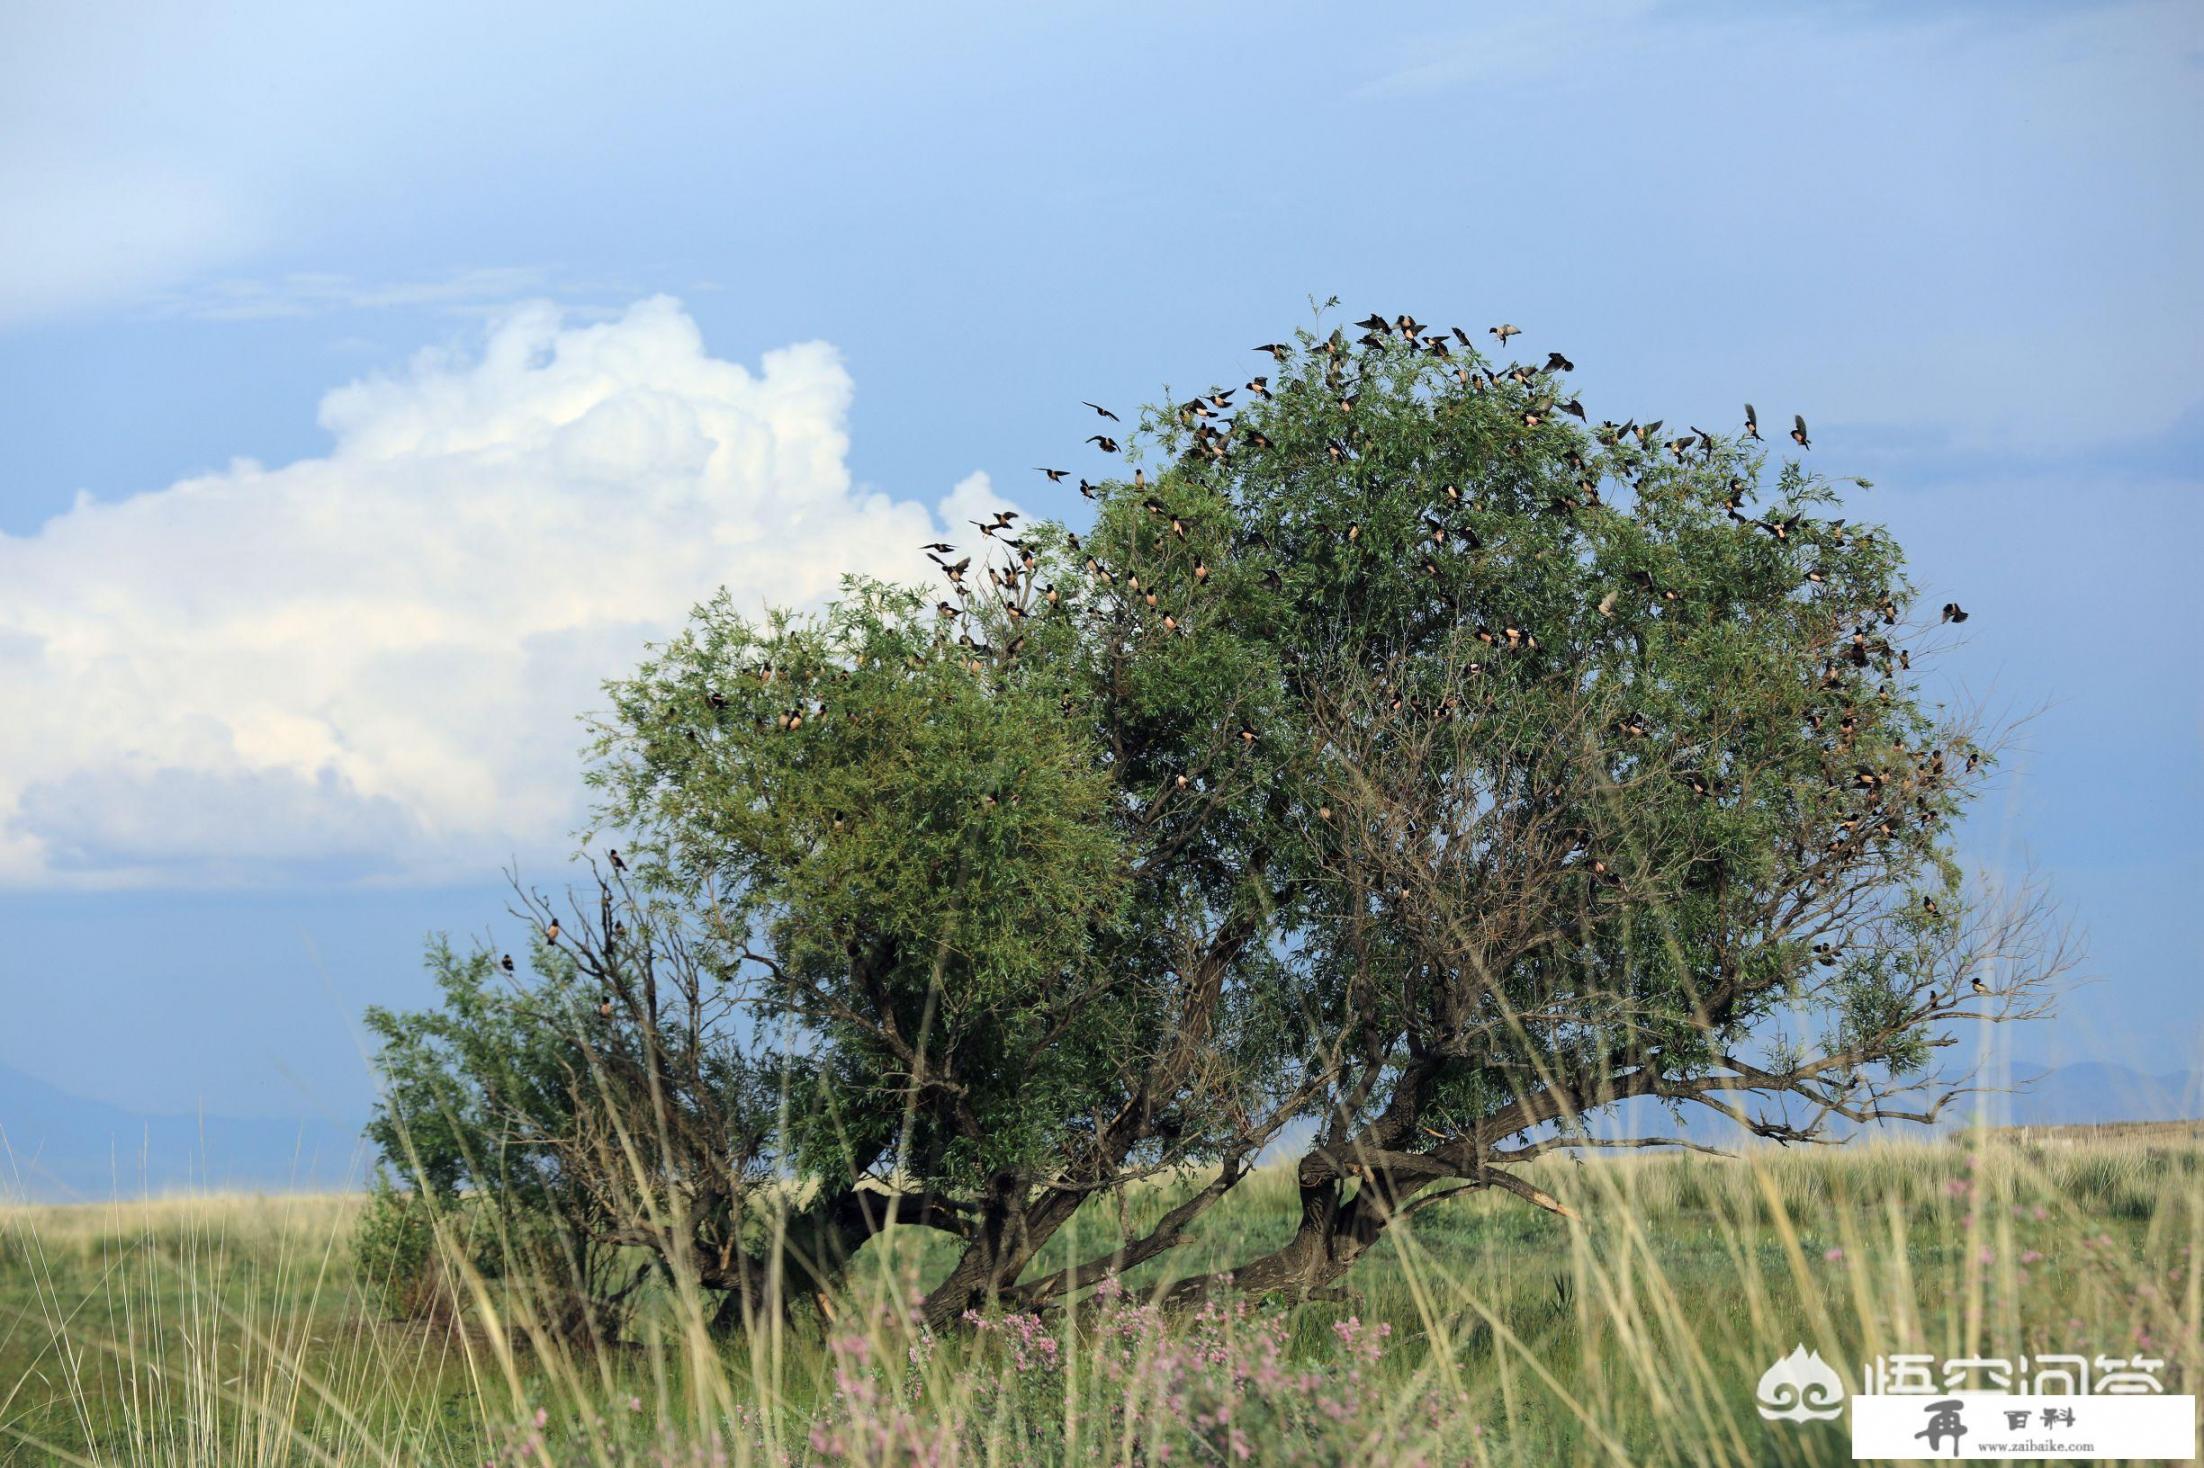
{"x": 506, "y": 963}
{"x": 1981, "y": 988}
{"x": 1105, "y": 412}
{"x": 1752, "y": 423}
{"x": 551, "y": 934}
{"x": 1798, "y": 431}
{"x": 1953, "y": 612}
{"x": 613, "y": 855}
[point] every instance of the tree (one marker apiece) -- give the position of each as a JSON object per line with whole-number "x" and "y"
{"x": 1393, "y": 758}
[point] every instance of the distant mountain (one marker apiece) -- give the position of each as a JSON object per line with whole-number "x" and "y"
{"x": 2094, "y": 1092}
{"x": 59, "y": 1147}
{"x": 56, "y": 1147}
{"x": 2091, "y": 1092}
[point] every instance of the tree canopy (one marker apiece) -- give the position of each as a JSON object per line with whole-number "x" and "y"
{"x": 1399, "y": 767}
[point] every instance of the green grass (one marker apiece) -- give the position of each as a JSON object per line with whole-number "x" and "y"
{"x": 231, "y": 1330}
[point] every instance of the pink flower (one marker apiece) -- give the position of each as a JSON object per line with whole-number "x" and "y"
{"x": 1833, "y": 1255}
{"x": 2030, "y": 1256}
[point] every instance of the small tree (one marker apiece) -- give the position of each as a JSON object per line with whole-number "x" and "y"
{"x": 1396, "y": 761}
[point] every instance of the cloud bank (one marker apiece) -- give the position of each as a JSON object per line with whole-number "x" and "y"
{"x": 369, "y": 665}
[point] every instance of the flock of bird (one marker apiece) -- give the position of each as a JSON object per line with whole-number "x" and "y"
{"x": 1884, "y": 803}
{"x": 1213, "y": 436}
{"x": 1884, "y": 807}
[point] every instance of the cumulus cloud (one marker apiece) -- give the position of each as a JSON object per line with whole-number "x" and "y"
{"x": 371, "y": 663}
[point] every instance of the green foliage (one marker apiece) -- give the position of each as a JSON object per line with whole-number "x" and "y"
{"x": 395, "y": 1256}
{"x": 477, "y": 1097}
{"x": 1401, "y": 757}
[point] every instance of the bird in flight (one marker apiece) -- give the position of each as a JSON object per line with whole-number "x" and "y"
{"x": 1752, "y": 423}
{"x": 1055, "y": 476}
{"x": 1798, "y": 431}
{"x": 1105, "y": 412}
{"x": 1953, "y": 612}
{"x": 1505, "y": 330}
{"x": 1109, "y": 445}
{"x": 1277, "y": 350}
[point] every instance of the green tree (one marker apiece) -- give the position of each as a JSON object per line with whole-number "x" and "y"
{"x": 1397, "y": 765}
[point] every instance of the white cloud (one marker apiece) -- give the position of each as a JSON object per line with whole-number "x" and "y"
{"x": 371, "y": 663}
{"x": 482, "y": 291}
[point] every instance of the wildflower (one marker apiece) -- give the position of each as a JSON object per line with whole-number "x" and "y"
{"x": 1833, "y": 1255}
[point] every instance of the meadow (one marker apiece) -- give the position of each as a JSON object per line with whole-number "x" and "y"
{"x": 233, "y": 1330}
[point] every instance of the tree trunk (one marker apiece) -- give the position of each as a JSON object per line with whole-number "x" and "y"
{"x": 1012, "y": 1230}
{"x": 1335, "y": 1230}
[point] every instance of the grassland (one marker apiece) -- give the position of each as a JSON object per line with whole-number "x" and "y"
{"x": 230, "y": 1330}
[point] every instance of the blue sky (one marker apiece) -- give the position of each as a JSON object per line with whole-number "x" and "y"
{"x": 379, "y": 380}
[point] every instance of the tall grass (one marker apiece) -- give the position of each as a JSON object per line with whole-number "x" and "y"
{"x": 226, "y": 1330}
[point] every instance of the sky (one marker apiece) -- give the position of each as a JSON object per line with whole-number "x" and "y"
{"x": 380, "y": 380}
